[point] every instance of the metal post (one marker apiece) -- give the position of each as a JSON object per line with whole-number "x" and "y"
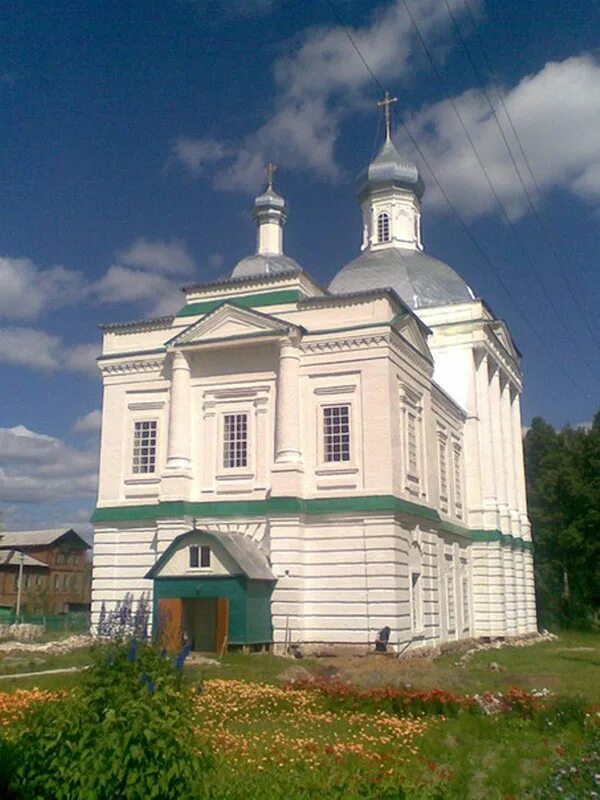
{"x": 19, "y": 585}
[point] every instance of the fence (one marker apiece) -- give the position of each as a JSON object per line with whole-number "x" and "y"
{"x": 74, "y": 622}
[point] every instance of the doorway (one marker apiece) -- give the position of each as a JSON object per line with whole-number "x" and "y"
{"x": 206, "y": 622}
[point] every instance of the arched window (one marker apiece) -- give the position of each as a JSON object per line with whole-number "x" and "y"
{"x": 383, "y": 227}
{"x": 415, "y": 569}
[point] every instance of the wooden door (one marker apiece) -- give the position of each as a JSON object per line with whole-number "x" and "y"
{"x": 222, "y": 624}
{"x": 170, "y": 623}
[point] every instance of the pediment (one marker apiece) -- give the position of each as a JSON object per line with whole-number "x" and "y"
{"x": 410, "y": 330}
{"x": 501, "y": 332}
{"x": 231, "y": 322}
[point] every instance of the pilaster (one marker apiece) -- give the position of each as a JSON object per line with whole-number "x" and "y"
{"x": 176, "y": 479}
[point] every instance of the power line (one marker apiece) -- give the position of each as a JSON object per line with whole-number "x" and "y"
{"x": 532, "y": 205}
{"x": 488, "y": 179}
{"x": 453, "y": 209}
{"x": 512, "y": 126}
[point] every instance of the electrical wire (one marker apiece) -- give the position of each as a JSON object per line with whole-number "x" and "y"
{"x": 524, "y": 318}
{"x": 545, "y": 234}
{"x": 501, "y": 207}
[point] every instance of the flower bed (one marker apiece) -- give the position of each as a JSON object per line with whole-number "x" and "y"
{"x": 13, "y": 706}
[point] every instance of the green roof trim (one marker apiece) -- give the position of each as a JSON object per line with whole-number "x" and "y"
{"x": 275, "y": 298}
{"x": 296, "y": 506}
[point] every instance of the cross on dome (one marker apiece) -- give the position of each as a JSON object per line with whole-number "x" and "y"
{"x": 270, "y": 171}
{"x": 386, "y": 104}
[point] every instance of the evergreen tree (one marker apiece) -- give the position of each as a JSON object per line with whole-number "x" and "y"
{"x": 563, "y": 483}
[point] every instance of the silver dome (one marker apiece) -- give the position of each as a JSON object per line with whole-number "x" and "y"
{"x": 389, "y": 169}
{"x": 265, "y": 265}
{"x": 420, "y": 280}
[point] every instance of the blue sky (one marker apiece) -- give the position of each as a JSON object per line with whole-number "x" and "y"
{"x": 133, "y": 137}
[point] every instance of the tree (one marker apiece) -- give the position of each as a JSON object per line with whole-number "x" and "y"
{"x": 563, "y": 482}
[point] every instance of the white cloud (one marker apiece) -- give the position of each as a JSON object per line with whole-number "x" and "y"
{"x": 36, "y": 468}
{"x": 158, "y": 255}
{"x": 88, "y": 423}
{"x": 320, "y": 83}
{"x": 82, "y": 358}
{"x": 28, "y": 292}
{"x": 197, "y": 153}
{"x": 557, "y": 115}
{"x": 29, "y": 347}
{"x": 125, "y": 285}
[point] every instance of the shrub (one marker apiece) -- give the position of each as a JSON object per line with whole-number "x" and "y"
{"x": 127, "y": 732}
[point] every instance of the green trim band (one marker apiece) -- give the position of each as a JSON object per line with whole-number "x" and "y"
{"x": 243, "y": 300}
{"x": 296, "y": 506}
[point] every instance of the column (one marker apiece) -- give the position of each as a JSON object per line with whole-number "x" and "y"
{"x": 486, "y": 449}
{"x": 524, "y": 519}
{"x": 473, "y": 491}
{"x": 510, "y": 458}
{"x": 179, "y": 444}
{"x": 519, "y": 465}
{"x": 498, "y": 446}
{"x": 287, "y": 422}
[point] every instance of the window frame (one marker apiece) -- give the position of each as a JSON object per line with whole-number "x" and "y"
{"x": 149, "y": 474}
{"x": 449, "y": 581}
{"x": 457, "y": 478}
{"x": 231, "y": 413}
{"x": 443, "y": 476}
{"x": 333, "y": 462}
{"x": 411, "y": 408}
{"x": 383, "y": 227}
{"x": 205, "y": 556}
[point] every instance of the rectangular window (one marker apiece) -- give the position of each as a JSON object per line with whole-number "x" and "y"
{"x": 457, "y": 481}
{"x": 412, "y": 444}
{"x": 56, "y": 583}
{"x": 235, "y": 440}
{"x": 415, "y": 588}
{"x": 442, "y": 450}
{"x": 336, "y": 433}
{"x": 205, "y": 556}
{"x": 465, "y": 599}
{"x": 144, "y": 447}
{"x": 450, "y": 598}
{"x": 27, "y": 581}
{"x": 194, "y": 560}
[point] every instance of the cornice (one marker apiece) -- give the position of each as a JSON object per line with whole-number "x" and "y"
{"x": 345, "y": 344}
{"x": 131, "y": 367}
{"x": 142, "y": 325}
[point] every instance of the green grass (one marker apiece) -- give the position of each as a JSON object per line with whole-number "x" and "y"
{"x": 467, "y": 757}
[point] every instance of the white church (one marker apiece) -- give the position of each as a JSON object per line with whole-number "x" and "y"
{"x": 286, "y": 465}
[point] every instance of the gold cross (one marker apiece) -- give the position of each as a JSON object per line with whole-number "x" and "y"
{"x": 270, "y": 170}
{"x": 387, "y": 103}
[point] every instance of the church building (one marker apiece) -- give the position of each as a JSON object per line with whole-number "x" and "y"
{"x": 284, "y": 464}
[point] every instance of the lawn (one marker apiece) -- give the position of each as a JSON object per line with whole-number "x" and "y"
{"x": 336, "y": 739}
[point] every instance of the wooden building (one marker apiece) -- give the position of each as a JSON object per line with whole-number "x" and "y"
{"x": 56, "y": 571}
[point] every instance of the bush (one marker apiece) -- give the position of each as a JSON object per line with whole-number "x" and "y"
{"x": 127, "y": 732}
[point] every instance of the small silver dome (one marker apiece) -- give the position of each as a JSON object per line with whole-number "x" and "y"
{"x": 265, "y": 265}
{"x": 420, "y": 280}
{"x": 389, "y": 169}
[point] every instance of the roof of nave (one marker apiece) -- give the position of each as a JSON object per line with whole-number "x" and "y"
{"x": 36, "y": 538}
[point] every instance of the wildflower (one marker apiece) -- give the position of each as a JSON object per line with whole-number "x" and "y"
{"x": 132, "y": 652}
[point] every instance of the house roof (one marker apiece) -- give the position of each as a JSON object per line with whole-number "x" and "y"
{"x": 250, "y": 561}
{"x": 38, "y": 538}
{"x": 13, "y": 558}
